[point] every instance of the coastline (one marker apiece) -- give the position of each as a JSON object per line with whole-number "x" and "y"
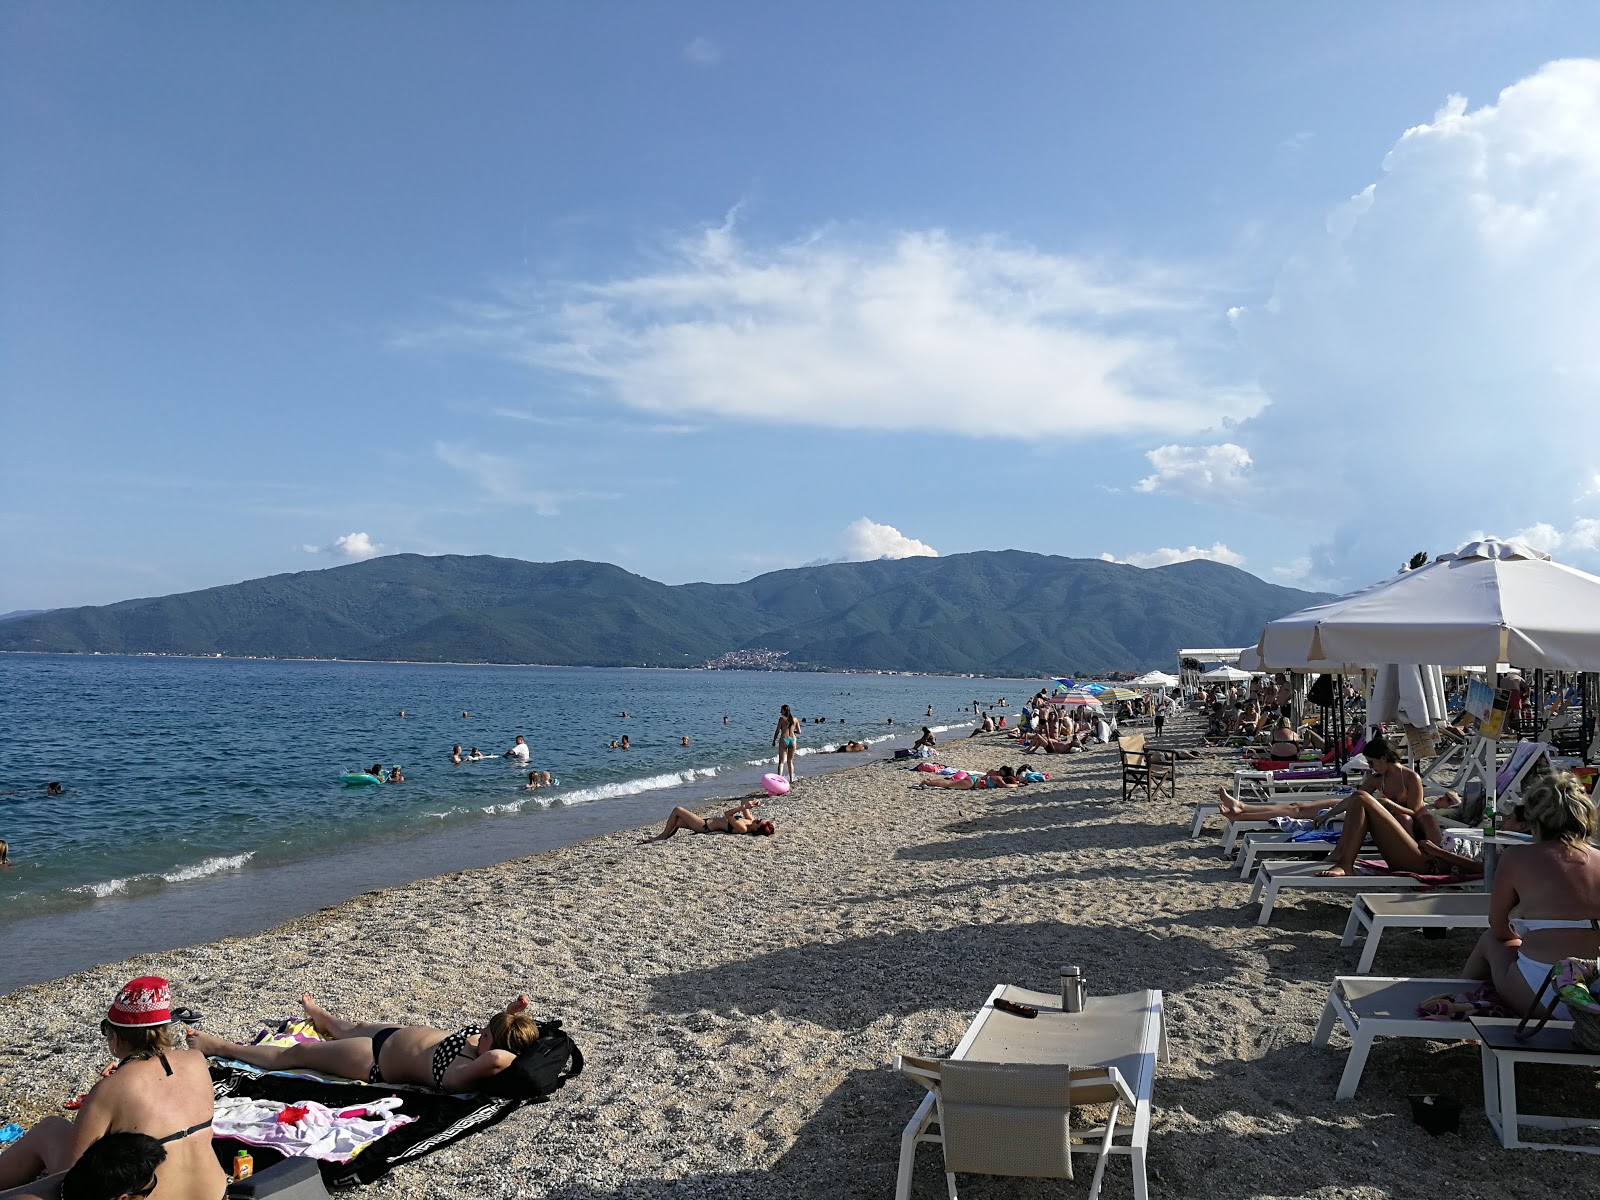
{"x": 739, "y": 999}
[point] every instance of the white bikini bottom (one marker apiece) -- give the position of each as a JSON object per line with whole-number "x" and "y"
{"x": 1534, "y": 972}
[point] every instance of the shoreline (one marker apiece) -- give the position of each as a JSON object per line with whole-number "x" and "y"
{"x": 63, "y": 935}
{"x": 739, "y": 999}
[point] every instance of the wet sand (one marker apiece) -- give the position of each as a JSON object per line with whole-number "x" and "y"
{"x": 739, "y": 999}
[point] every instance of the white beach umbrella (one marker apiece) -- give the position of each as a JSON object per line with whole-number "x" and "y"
{"x": 1156, "y": 679}
{"x": 1488, "y": 602}
{"x": 1225, "y": 674}
{"x": 1408, "y": 693}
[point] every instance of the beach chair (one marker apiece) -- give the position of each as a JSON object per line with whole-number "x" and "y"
{"x": 1371, "y": 1006}
{"x": 1276, "y": 877}
{"x": 1377, "y": 911}
{"x": 1001, "y": 1103}
{"x": 1138, "y": 771}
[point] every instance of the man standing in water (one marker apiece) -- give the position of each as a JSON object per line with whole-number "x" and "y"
{"x": 519, "y": 751}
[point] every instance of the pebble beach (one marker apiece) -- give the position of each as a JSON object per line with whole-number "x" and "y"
{"x": 739, "y": 999}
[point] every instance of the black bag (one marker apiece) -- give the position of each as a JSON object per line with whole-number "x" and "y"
{"x": 902, "y": 754}
{"x": 541, "y": 1069}
{"x": 1321, "y": 692}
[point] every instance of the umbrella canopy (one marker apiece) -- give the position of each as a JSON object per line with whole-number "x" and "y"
{"x": 1064, "y": 685}
{"x": 1118, "y": 693}
{"x": 1488, "y": 602}
{"x": 1075, "y": 700}
{"x": 1156, "y": 679}
{"x": 1225, "y": 674}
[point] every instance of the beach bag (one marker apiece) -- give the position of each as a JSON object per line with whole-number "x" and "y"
{"x": 1571, "y": 982}
{"x": 902, "y": 754}
{"x": 541, "y": 1069}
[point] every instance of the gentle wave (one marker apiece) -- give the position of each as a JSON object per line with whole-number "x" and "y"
{"x": 199, "y": 870}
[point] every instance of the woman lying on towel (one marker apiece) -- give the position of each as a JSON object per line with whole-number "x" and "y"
{"x": 1553, "y": 889}
{"x": 464, "y": 1061}
{"x": 155, "y": 1088}
{"x": 1003, "y": 778}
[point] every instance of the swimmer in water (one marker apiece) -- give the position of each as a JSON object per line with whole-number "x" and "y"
{"x": 455, "y": 754}
{"x": 395, "y": 776}
{"x": 53, "y": 788}
{"x": 686, "y": 739}
{"x": 537, "y": 779}
{"x": 625, "y": 744}
{"x": 465, "y": 715}
{"x": 376, "y": 770}
{"x": 5, "y": 855}
{"x": 474, "y": 754}
{"x": 724, "y": 718}
{"x": 613, "y": 745}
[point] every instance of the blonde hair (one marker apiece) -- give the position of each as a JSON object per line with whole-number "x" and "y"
{"x": 513, "y": 1031}
{"x": 145, "y": 1042}
{"x": 1558, "y": 809}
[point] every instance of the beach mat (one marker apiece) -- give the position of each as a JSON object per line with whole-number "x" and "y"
{"x": 440, "y": 1120}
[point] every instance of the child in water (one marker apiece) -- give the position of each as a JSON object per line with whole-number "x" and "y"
{"x": 395, "y": 776}
{"x": 5, "y": 855}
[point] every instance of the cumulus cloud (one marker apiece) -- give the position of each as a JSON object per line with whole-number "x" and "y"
{"x": 351, "y": 547}
{"x": 1581, "y": 539}
{"x": 1440, "y": 325}
{"x": 702, "y": 52}
{"x": 866, "y": 540}
{"x": 505, "y": 480}
{"x": 1167, "y": 555}
{"x": 1204, "y": 472}
{"x": 920, "y": 330}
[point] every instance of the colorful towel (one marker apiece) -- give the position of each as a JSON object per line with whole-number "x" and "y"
{"x": 307, "y": 1129}
{"x": 1369, "y": 866}
{"x": 1482, "y": 1001}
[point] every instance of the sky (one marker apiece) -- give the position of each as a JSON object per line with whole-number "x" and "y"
{"x": 712, "y": 289}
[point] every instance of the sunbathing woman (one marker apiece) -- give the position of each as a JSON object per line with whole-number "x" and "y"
{"x": 1005, "y": 777}
{"x": 155, "y": 1089}
{"x": 1552, "y": 886}
{"x": 1399, "y": 785}
{"x": 735, "y": 820}
{"x": 464, "y": 1061}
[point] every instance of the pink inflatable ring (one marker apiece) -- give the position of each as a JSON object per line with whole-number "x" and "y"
{"x": 776, "y": 785}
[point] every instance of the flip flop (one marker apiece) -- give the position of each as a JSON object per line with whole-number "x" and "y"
{"x": 188, "y": 1016}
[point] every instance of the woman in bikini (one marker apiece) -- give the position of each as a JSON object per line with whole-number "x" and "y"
{"x": 1552, "y": 887}
{"x": 1398, "y": 786}
{"x": 1005, "y": 777}
{"x": 155, "y": 1089}
{"x": 784, "y": 737}
{"x": 463, "y": 1061}
{"x": 735, "y": 820}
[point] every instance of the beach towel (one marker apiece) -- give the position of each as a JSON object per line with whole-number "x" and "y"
{"x": 439, "y": 1120}
{"x": 1482, "y": 1001}
{"x": 1376, "y": 866}
{"x": 307, "y": 1129}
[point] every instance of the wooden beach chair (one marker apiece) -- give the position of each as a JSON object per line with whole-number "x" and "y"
{"x": 1138, "y": 771}
{"x": 1001, "y": 1103}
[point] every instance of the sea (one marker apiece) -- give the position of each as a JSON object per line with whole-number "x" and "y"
{"x": 201, "y": 797}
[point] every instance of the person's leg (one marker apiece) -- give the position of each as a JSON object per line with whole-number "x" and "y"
{"x": 42, "y": 1150}
{"x": 349, "y": 1057}
{"x": 335, "y": 1028}
{"x": 679, "y": 818}
{"x": 1368, "y": 815}
{"x": 1304, "y": 810}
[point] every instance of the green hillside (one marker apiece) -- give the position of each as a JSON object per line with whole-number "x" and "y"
{"x": 999, "y": 612}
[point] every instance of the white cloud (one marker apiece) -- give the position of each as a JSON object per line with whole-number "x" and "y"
{"x": 1581, "y": 538}
{"x": 1296, "y": 570}
{"x": 506, "y": 480}
{"x": 1166, "y": 556}
{"x": 866, "y": 540}
{"x": 702, "y": 52}
{"x": 352, "y": 547}
{"x": 1205, "y": 472}
{"x": 1440, "y": 328}
{"x": 921, "y": 330}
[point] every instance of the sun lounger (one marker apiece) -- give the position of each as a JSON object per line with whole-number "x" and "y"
{"x": 1377, "y": 911}
{"x": 1257, "y": 787}
{"x": 1275, "y": 844}
{"x": 1001, "y": 1103}
{"x": 1372, "y": 1006}
{"x": 1276, "y": 877}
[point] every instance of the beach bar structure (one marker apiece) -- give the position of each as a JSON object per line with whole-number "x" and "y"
{"x": 1227, "y": 656}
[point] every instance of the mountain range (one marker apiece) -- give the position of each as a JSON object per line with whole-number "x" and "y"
{"x": 1005, "y": 612}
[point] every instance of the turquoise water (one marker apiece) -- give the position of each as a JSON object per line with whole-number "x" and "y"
{"x": 182, "y": 771}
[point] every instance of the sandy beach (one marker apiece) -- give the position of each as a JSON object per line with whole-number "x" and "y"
{"x": 739, "y": 999}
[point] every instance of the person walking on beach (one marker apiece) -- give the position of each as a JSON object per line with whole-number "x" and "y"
{"x": 784, "y": 737}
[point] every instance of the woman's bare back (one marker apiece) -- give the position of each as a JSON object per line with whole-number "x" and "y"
{"x": 140, "y": 1097}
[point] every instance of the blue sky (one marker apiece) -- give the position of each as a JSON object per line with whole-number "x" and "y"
{"x": 712, "y": 289}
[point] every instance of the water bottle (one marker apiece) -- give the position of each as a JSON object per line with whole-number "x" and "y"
{"x": 1488, "y": 821}
{"x": 1073, "y": 992}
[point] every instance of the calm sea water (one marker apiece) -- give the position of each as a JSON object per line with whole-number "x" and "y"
{"x": 202, "y": 795}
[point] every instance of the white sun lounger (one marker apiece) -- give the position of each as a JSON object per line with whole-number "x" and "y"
{"x": 1376, "y": 912}
{"x": 1373, "y": 1006}
{"x": 1263, "y": 789}
{"x": 1276, "y": 877}
{"x": 1042, "y": 1068}
{"x": 1275, "y": 845}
